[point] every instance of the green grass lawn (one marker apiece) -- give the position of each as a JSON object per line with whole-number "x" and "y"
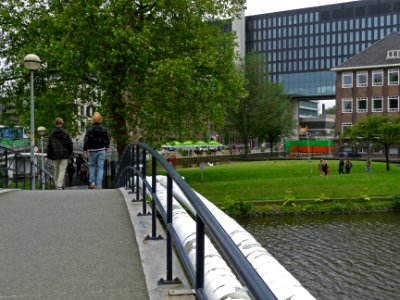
{"x": 276, "y": 180}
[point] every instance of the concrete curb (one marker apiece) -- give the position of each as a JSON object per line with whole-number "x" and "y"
{"x": 153, "y": 256}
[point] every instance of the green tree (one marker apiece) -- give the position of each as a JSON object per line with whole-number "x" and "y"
{"x": 264, "y": 112}
{"x": 158, "y": 69}
{"x": 331, "y": 110}
{"x": 273, "y": 118}
{"x": 383, "y": 130}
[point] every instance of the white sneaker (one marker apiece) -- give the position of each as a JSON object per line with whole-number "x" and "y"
{"x": 92, "y": 186}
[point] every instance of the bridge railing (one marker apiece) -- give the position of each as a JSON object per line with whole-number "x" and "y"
{"x": 132, "y": 167}
{"x": 15, "y": 170}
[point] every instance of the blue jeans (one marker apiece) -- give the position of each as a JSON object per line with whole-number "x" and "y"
{"x": 96, "y": 161}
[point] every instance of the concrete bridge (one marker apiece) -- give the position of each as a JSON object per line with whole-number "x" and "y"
{"x": 80, "y": 244}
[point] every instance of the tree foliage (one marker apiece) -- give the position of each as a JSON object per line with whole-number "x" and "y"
{"x": 158, "y": 69}
{"x": 383, "y": 130}
{"x": 331, "y": 110}
{"x": 264, "y": 112}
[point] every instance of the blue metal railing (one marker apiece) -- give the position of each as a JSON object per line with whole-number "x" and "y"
{"x": 133, "y": 166}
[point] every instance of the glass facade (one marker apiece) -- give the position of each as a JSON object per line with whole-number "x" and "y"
{"x": 308, "y": 83}
{"x": 301, "y": 46}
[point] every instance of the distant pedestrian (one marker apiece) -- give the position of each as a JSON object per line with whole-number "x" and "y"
{"x": 320, "y": 167}
{"x": 348, "y": 166}
{"x": 79, "y": 162}
{"x": 341, "y": 166}
{"x": 368, "y": 165}
{"x": 84, "y": 170}
{"x": 95, "y": 144}
{"x": 70, "y": 170}
{"x": 59, "y": 149}
{"x": 325, "y": 167}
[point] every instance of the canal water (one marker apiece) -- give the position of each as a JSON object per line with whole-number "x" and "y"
{"x": 351, "y": 256}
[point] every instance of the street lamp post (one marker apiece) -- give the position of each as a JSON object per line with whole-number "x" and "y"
{"x": 41, "y": 131}
{"x": 32, "y": 63}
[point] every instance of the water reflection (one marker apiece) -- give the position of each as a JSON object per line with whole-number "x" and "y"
{"x": 355, "y": 256}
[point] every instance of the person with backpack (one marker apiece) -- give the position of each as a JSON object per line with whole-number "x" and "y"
{"x": 59, "y": 149}
{"x": 95, "y": 145}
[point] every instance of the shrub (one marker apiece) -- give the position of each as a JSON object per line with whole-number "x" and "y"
{"x": 232, "y": 207}
{"x": 396, "y": 202}
{"x": 290, "y": 198}
{"x": 321, "y": 198}
{"x": 364, "y": 195}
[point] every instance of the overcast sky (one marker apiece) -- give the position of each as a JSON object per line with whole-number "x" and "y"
{"x": 256, "y": 7}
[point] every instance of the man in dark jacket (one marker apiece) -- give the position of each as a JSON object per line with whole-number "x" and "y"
{"x": 59, "y": 149}
{"x": 95, "y": 145}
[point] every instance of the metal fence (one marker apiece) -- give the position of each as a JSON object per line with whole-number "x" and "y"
{"x": 132, "y": 167}
{"x": 15, "y": 170}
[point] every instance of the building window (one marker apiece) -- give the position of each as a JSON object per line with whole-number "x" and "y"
{"x": 393, "y": 103}
{"x": 347, "y": 105}
{"x": 362, "y": 104}
{"x": 393, "y": 76}
{"x": 377, "y": 78}
{"x": 393, "y": 54}
{"x": 362, "y": 79}
{"x": 377, "y": 104}
{"x": 346, "y": 127}
{"x": 347, "y": 80}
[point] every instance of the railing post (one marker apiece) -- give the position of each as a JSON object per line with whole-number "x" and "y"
{"x": 137, "y": 172}
{"x": 153, "y": 193}
{"x": 199, "y": 254}
{"x": 144, "y": 166}
{"x": 169, "y": 222}
{"x": 24, "y": 170}
{"x": 153, "y": 202}
{"x": 6, "y": 169}
{"x": 15, "y": 176}
{"x": 131, "y": 176}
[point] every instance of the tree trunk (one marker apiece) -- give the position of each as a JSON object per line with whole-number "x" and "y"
{"x": 387, "y": 157}
{"x": 246, "y": 147}
{"x": 119, "y": 129}
{"x": 271, "y": 148}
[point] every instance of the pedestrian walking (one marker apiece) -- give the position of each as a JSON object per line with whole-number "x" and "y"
{"x": 321, "y": 167}
{"x": 70, "y": 170}
{"x": 341, "y": 166}
{"x": 368, "y": 165}
{"x": 59, "y": 149}
{"x": 84, "y": 169}
{"x": 348, "y": 166}
{"x": 79, "y": 162}
{"x": 95, "y": 144}
{"x": 325, "y": 168}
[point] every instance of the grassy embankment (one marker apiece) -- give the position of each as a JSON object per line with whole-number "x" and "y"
{"x": 289, "y": 186}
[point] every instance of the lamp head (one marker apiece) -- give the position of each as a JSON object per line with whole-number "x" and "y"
{"x": 41, "y": 130}
{"x": 32, "y": 62}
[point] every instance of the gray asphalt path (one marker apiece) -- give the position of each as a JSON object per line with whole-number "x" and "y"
{"x": 71, "y": 244}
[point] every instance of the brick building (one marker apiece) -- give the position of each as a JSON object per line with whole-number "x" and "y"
{"x": 368, "y": 84}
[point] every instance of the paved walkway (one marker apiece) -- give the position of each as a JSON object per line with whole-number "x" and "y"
{"x": 81, "y": 244}
{"x": 75, "y": 244}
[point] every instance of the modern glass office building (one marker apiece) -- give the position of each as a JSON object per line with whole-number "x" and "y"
{"x": 301, "y": 46}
